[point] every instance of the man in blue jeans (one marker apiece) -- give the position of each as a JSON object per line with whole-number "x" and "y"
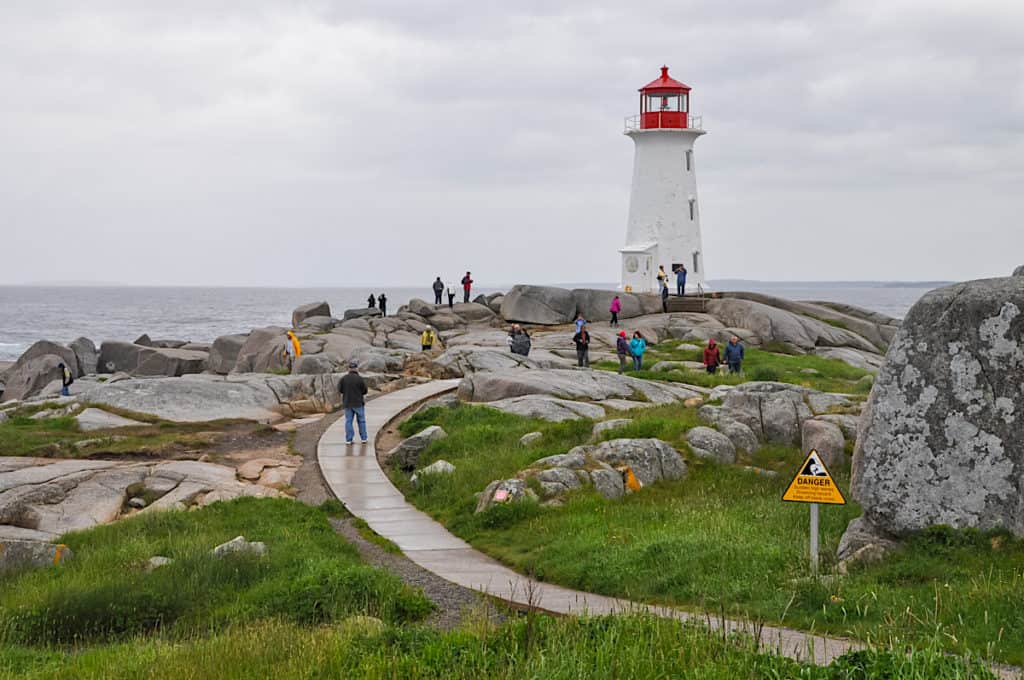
{"x": 353, "y": 390}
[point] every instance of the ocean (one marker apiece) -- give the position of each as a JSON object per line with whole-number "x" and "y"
{"x": 63, "y": 313}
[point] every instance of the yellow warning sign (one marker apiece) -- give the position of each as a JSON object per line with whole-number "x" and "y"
{"x": 814, "y": 484}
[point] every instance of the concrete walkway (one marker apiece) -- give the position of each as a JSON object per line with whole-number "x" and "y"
{"x": 355, "y": 477}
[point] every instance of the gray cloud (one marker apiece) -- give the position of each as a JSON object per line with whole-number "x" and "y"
{"x": 320, "y": 143}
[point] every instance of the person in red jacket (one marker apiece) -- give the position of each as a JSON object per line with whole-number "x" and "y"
{"x": 712, "y": 357}
{"x": 467, "y": 284}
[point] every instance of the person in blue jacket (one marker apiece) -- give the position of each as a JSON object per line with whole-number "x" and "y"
{"x": 681, "y": 280}
{"x": 734, "y": 354}
{"x": 637, "y": 347}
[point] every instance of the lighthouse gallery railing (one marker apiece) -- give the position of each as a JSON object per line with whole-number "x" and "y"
{"x": 692, "y": 123}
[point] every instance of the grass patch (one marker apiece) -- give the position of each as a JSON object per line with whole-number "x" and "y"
{"x": 763, "y": 364}
{"x": 104, "y": 594}
{"x": 373, "y": 537}
{"x": 639, "y": 647}
{"x": 721, "y": 540}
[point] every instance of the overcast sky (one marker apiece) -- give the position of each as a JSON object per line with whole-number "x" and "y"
{"x": 385, "y": 142}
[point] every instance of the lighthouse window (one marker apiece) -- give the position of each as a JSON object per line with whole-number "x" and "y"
{"x": 689, "y": 161}
{"x": 696, "y": 254}
{"x": 693, "y": 203}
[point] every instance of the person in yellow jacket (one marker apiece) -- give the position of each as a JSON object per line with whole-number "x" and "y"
{"x": 427, "y": 338}
{"x": 292, "y": 349}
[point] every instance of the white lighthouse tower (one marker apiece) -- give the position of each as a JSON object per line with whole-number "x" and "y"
{"x": 664, "y": 215}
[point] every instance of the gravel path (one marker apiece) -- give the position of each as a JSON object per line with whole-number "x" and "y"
{"x": 455, "y": 605}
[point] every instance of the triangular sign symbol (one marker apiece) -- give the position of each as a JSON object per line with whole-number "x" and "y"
{"x": 814, "y": 484}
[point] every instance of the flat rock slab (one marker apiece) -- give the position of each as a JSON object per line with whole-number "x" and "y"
{"x": 97, "y": 419}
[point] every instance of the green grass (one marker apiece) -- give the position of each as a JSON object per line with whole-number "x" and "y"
{"x": 720, "y": 539}
{"x": 55, "y": 437}
{"x": 759, "y": 364}
{"x": 104, "y": 594}
{"x": 535, "y": 646}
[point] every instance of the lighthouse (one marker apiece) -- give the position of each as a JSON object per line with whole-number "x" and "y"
{"x": 663, "y": 228}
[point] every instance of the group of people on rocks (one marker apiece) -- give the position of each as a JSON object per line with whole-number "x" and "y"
{"x": 734, "y": 354}
{"x": 440, "y": 289}
{"x": 380, "y": 302}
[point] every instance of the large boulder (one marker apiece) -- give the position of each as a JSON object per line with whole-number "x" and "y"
{"x": 942, "y": 435}
{"x": 28, "y": 378}
{"x": 827, "y": 439}
{"x": 543, "y": 305}
{"x": 460, "y": 361}
{"x": 593, "y": 304}
{"x": 45, "y": 347}
{"x": 421, "y": 307}
{"x": 649, "y": 459}
{"x": 158, "y": 361}
{"x": 778, "y": 325}
{"x": 547, "y": 408}
{"x": 18, "y": 555}
{"x": 300, "y": 313}
{"x": 361, "y": 313}
{"x": 568, "y": 384}
{"x": 711, "y": 445}
{"x": 317, "y": 324}
{"x": 472, "y": 312}
{"x": 1019, "y": 271}
{"x": 263, "y": 351}
{"x": 224, "y": 352}
{"x": 117, "y": 356}
{"x": 773, "y": 411}
{"x": 406, "y": 455}
{"x": 86, "y": 354}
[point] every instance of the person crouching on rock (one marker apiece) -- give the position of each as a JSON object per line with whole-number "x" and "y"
{"x": 637, "y": 347}
{"x": 622, "y": 349}
{"x": 65, "y": 380}
{"x": 353, "y": 392}
{"x": 712, "y": 357}
{"x": 519, "y": 340}
{"x": 582, "y": 340}
{"x": 734, "y": 355}
{"x": 427, "y": 339}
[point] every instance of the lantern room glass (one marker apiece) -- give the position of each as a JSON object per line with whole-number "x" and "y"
{"x": 665, "y": 102}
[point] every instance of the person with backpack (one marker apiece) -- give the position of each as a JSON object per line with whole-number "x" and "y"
{"x": 734, "y": 355}
{"x": 681, "y": 280}
{"x": 637, "y": 347}
{"x": 582, "y": 340}
{"x": 66, "y": 378}
{"x": 712, "y": 357}
{"x": 622, "y": 349}
{"x": 451, "y": 294}
{"x": 427, "y": 339}
{"x": 438, "y": 289}
{"x": 353, "y": 400}
{"x": 615, "y": 308}
{"x": 382, "y": 302}
{"x": 519, "y": 341}
{"x": 467, "y": 285}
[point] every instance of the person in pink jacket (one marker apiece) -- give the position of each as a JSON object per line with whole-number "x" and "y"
{"x": 615, "y": 309}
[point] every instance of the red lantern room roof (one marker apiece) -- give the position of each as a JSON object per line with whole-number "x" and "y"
{"x": 665, "y": 84}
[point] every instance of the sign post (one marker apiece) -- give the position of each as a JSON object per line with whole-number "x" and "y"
{"x": 813, "y": 484}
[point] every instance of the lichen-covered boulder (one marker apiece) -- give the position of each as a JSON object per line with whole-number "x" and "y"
{"x": 503, "y": 491}
{"x": 711, "y": 445}
{"x": 827, "y": 439}
{"x": 407, "y": 454}
{"x": 650, "y": 460}
{"x": 942, "y": 435}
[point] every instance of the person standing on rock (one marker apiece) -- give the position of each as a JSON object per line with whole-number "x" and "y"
{"x": 519, "y": 340}
{"x": 664, "y": 297}
{"x": 622, "y": 349}
{"x": 582, "y": 340}
{"x": 438, "y": 289}
{"x": 662, "y": 277}
{"x": 467, "y": 285}
{"x": 371, "y": 302}
{"x": 353, "y": 392}
{"x": 734, "y": 355}
{"x": 580, "y": 322}
{"x": 382, "y": 302}
{"x": 292, "y": 349}
{"x": 681, "y": 280}
{"x": 451, "y": 295}
{"x": 427, "y": 339}
{"x": 615, "y": 308}
{"x": 637, "y": 347}
{"x": 712, "y": 357}
{"x": 65, "y": 380}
